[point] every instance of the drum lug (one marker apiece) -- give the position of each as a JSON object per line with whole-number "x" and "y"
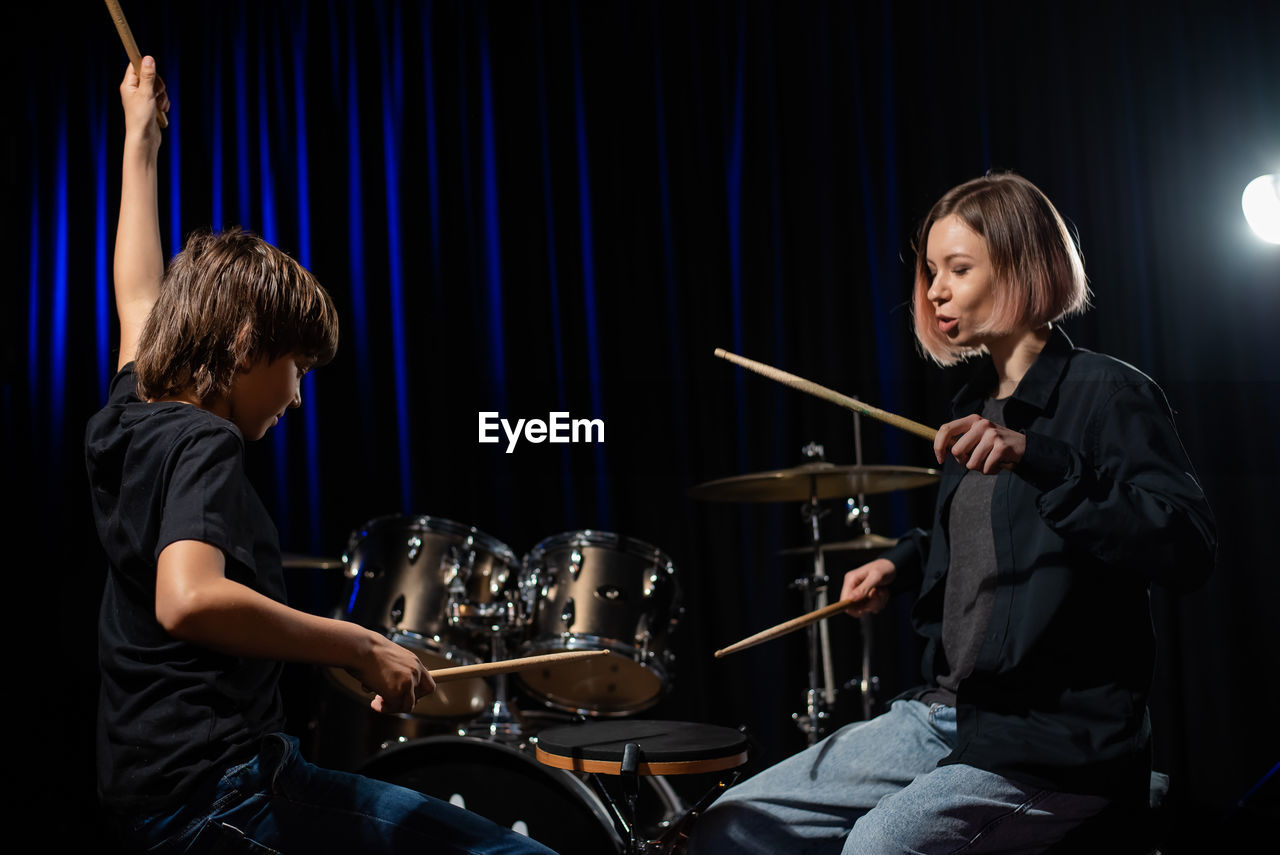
{"x": 569, "y": 612}
{"x": 451, "y": 566}
{"x": 415, "y": 547}
{"x": 643, "y": 638}
{"x": 575, "y": 565}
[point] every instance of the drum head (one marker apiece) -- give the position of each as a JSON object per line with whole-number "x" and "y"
{"x": 646, "y": 552}
{"x": 460, "y": 700}
{"x": 603, "y": 685}
{"x": 594, "y": 590}
{"x": 503, "y": 785}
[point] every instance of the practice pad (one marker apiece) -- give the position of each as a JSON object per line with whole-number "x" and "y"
{"x": 665, "y": 747}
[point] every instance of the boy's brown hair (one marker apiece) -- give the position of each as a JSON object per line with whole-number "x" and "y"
{"x": 228, "y": 300}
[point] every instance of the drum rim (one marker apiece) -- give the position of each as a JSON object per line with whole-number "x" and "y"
{"x": 586, "y": 641}
{"x": 595, "y": 537}
{"x": 430, "y": 523}
{"x": 455, "y": 654}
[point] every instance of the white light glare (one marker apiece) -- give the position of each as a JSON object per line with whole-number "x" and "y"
{"x": 1261, "y": 203}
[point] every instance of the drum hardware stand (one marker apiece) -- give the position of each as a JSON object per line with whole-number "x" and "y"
{"x": 821, "y": 691}
{"x": 625, "y": 818}
{"x": 869, "y": 684}
{"x": 497, "y": 723}
{"x": 677, "y": 833}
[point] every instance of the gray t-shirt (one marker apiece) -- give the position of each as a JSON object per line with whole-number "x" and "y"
{"x": 971, "y": 578}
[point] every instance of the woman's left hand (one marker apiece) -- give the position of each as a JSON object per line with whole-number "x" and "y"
{"x": 979, "y": 444}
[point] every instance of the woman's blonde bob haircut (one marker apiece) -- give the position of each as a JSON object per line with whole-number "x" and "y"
{"x": 227, "y": 301}
{"x": 1038, "y": 272}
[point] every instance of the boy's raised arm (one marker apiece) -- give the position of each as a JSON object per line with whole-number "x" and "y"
{"x": 139, "y": 258}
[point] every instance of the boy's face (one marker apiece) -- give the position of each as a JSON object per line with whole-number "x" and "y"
{"x": 260, "y": 394}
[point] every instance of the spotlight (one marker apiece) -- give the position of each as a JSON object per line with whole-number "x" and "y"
{"x": 1261, "y": 203}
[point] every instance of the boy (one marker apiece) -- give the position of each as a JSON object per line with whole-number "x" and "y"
{"x": 193, "y": 624}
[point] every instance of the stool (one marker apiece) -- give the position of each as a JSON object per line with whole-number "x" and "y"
{"x": 1122, "y": 827}
{"x": 629, "y": 749}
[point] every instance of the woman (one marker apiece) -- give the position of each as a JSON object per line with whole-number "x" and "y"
{"x": 1065, "y": 491}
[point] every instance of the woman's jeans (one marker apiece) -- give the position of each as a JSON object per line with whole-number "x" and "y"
{"x": 875, "y": 788}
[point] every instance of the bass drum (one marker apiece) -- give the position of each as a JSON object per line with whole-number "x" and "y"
{"x": 508, "y": 786}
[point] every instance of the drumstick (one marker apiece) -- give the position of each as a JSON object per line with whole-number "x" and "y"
{"x": 508, "y": 666}
{"x": 130, "y": 46}
{"x": 829, "y": 395}
{"x": 791, "y": 625}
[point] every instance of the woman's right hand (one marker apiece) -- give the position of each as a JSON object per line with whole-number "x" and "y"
{"x": 869, "y": 584}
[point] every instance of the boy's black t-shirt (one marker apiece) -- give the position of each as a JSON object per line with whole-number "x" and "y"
{"x": 170, "y": 711}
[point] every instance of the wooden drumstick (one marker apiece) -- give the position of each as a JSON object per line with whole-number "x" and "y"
{"x": 509, "y": 666}
{"x": 828, "y": 395}
{"x": 792, "y": 625}
{"x": 130, "y": 46}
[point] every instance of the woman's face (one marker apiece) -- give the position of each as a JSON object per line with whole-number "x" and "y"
{"x": 961, "y": 279}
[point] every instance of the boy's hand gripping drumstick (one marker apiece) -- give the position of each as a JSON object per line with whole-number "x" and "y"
{"x": 130, "y": 47}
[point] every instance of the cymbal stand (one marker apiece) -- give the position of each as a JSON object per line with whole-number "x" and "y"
{"x": 497, "y": 723}
{"x": 820, "y": 694}
{"x": 497, "y": 619}
{"x": 868, "y": 685}
{"x": 625, "y": 816}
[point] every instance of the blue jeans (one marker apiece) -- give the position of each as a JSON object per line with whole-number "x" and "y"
{"x": 875, "y": 788}
{"x": 278, "y": 802}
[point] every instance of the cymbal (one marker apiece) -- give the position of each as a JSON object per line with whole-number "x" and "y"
{"x": 306, "y": 562}
{"x": 865, "y": 542}
{"x": 822, "y": 480}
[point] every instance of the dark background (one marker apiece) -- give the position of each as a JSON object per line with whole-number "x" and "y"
{"x": 533, "y": 207}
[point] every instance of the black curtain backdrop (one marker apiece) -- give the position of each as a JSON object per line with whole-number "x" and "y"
{"x": 555, "y": 206}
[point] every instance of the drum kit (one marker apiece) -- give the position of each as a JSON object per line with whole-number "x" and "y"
{"x": 575, "y": 767}
{"x": 577, "y": 770}
{"x": 457, "y": 596}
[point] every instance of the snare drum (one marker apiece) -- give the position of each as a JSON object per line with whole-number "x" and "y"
{"x": 511, "y": 788}
{"x": 592, "y": 590}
